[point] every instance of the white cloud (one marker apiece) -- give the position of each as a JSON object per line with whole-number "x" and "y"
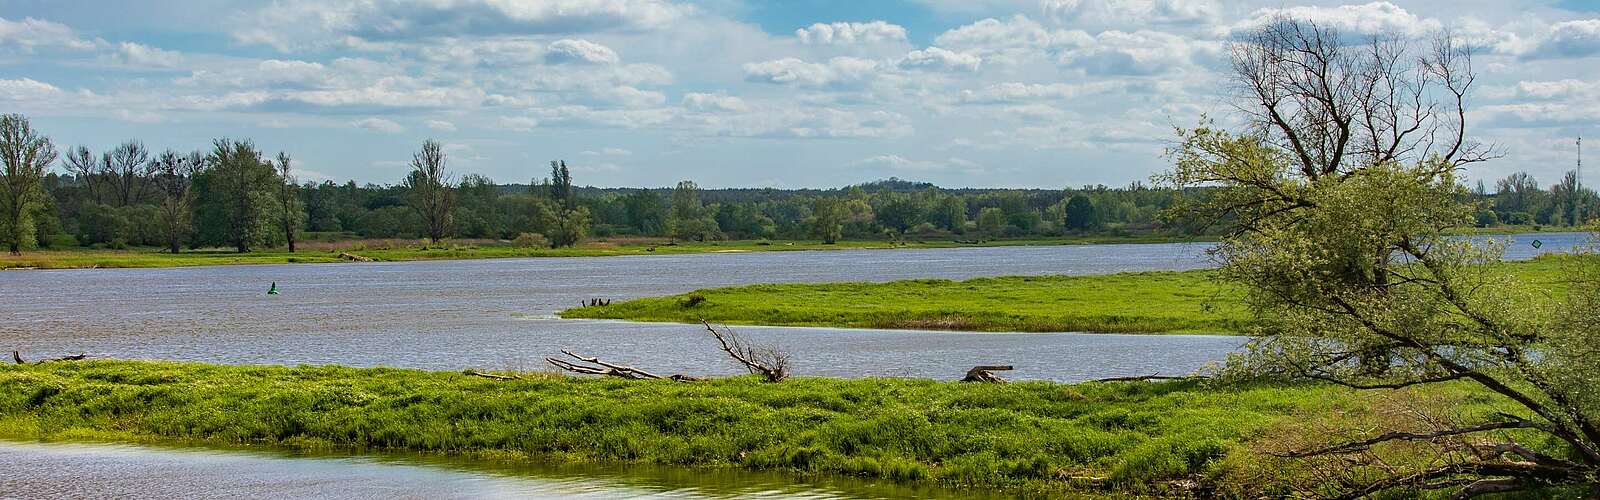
{"x": 292, "y": 23}
{"x": 607, "y": 152}
{"x": 519, "y": 123}
{"x": 1580, "y": 38}
{"x": 851, "y": 33}
{"x": 901, "y": 163}
{"x": 714, "y": 102}
{"x": 1019, "y": 92}
{"x": 1130, "y": 12}
{"x": 26, "y": 89}
{"x": 1366, "y": 19}
{"x": 935, "y": 58}
{"x": 1012, "y": 41}
{"x": 29, "y": 34}
{"x": 379, "y": 125}
{"x": 793, "y": 71}
{"x": 1139, "y": 53}
{"x": 440, "y": 125}
{"x": 581, "y": 51}
{"x": 145, "y": 55}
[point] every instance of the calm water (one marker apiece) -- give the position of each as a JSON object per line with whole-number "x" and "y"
{"x": 67, "y": 470}
{"x": 498, "y": 313}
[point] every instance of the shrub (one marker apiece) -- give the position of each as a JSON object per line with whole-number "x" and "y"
{"x": 531, "y": 240}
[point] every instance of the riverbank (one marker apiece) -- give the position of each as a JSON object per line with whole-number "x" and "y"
{"x": 1033, "y": 438}
{"x": 155, "y": 258}
{"x": 1188, "y": 302}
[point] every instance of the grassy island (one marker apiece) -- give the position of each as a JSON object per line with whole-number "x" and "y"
{"x": 1146, "y": 302}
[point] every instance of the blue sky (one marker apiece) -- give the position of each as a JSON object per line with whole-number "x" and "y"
{"x": 805, "y": 93}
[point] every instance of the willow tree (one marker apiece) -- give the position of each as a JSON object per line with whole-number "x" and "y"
{"x": 428, "y": 186}
{"x": 26, "y": 155}
{"x": 234, "y": 193}
{"x": 1340, "y": 193}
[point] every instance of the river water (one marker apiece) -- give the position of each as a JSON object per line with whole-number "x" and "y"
{"x": 499, "y": 314}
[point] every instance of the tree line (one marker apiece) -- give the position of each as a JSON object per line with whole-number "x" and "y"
{"x": 234, "y": 195}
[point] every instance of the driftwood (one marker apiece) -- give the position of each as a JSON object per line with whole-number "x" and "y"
{"x": 984, "y": 373}
{"x": 768, "y": 361}
{"x": 1144, "y": 378}
{"x": 17, "y": 356}
{"x": 353, "y": 257}
{"x": 476, "y": 373}
{"x": 611, "y": 369}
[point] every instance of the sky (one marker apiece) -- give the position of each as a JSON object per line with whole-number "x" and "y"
{"x": 736, "y": 93}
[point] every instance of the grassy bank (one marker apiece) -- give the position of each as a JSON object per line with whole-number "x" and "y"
{"x": 1034, "y": 437}
{"x": 410, "y": 251}
{"x": 1147, "y": 302}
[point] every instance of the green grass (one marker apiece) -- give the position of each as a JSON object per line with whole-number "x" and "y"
{"x": 1146, "y": 302}
{"x": 1149, "y": 302}
{"x": 1035, "y": 438}
{"x": 150, "y": 257}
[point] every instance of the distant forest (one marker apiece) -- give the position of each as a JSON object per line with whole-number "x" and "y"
{"x": 231, "y": 196}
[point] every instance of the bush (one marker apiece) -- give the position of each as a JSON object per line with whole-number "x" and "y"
{"x": 531, "y": 240}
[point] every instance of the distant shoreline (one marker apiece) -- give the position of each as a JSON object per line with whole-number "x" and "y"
{"x": 153, "y": 258}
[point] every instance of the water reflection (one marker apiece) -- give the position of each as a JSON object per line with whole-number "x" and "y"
{"x": 76, "y": 470}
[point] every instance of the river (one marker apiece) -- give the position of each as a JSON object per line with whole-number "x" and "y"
{"x": 499, "y": 314}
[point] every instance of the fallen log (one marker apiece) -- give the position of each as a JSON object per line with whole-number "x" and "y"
{"x": 17, "y": 356}
{"x": 611, "y": 369}
{"x": 476, "y": 373}
{"x": 1144, "y": 378}
{"x": 984, "y": 373}
{"x": 769, "y": 361}
{"x": 353, "y": 257}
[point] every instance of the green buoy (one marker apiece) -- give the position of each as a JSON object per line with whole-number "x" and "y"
{"x": 274, "y": 289}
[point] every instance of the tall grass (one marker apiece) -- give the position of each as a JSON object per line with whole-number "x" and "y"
{"x": 1035, "y": 437}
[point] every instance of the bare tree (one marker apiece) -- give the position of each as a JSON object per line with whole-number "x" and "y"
{"x": 1335, "y": 105}
{"x": 26, "y": 155}
{"x": 290, "y": 213}
{"x": 81, "y": 163}
{"x": 173, "y": 175}
{"x": 430, "y": 193}
{"x": 125, "y": 167}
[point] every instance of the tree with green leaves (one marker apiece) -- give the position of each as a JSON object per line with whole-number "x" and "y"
{"x": 689, "y": 218}
{"x": 429, "y": 191}
{"x": 1340, "y": 197}
{"x": 26, "y": 155}
{"x": 645, "y": 212}
{"x": 1081, "y": 213}
{"x": 234, "y": 196}
{"x": 291, "y": 213}
{"x": 561, "y": 184}
{"x": 899, "y": 211}
{"x": 828, "y": 215}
